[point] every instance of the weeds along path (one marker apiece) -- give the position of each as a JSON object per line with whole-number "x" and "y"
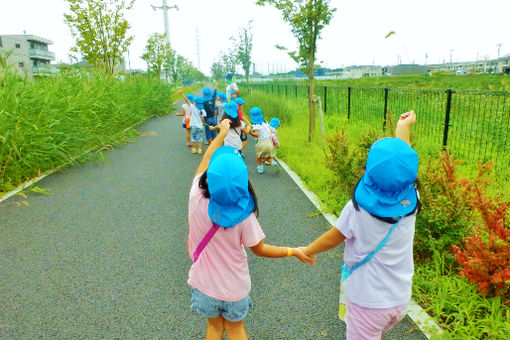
{"x": 104, "y": 255}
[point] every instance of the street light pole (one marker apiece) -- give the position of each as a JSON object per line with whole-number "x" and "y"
{"x": 165, "y": 9}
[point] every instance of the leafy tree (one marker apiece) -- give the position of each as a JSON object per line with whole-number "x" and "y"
{"x": 217, "y": 71}
{"x": 156, "y": 52}
{"x": 229, "y": 61}
{"x": 100, "y": 30}
{"x": 179, "y": 68}
{"x": 243, "y": 49}
{"x": 307, "y": 18}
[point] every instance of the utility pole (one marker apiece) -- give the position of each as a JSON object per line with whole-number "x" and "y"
{"x": 198, "y": 49}
{"x": 499, "y": 47}
{"x": 451, "y": 55}
{"x": 165, "y": 9}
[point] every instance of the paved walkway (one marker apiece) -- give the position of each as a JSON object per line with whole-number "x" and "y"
{"x": 104, "y": 255}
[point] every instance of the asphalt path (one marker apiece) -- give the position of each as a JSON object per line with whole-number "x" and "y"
{"x": 104, "y": 254}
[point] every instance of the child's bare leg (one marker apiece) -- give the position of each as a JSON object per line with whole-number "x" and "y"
{"x": 270, "y": 159}
{"x": 215, "y": 328}
{"x": 235, "y": 330}
{"x": 210, "y": 141}
{"x": 259, "y": 161}
{"x": 244, "y": 144}
{"x": 188, "y": 135}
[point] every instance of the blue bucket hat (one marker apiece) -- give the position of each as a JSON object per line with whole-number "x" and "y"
{"x": 256, "y": 115}
{"x": 207, "y": 93}
{"x": 227, "y": 180}
{"x": 190, "y": 97}
{"x": 240, "y": 101}
{"x": 231, "y": 109}
{"x": 222, "y": 96}
{"x": 199, "y": 101}
{"x": 274, "y": 123}
{"x": 387, "y": 186}
{"x": 229, "y": 76}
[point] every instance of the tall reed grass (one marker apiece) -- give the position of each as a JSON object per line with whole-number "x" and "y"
{"x": 49, "y": 122}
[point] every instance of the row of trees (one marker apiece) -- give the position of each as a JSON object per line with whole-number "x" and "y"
{"x": 101, "y": 36}
{"x": 240, "y": 54}
{"x": 162, "y": 60}
{"x": 100, "y": 30}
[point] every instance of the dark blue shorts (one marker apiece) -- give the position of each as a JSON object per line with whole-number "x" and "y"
{"x": 210, "y": 134}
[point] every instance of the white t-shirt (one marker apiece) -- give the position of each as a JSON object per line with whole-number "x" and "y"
{"x": 385, "y": 280}
{"x": 195, "y": 120}
{"x": 233, "y": 137}
{"x": 220, "y": 106}
{"x": 264, "y": 130}
{"x": 230, "y": 88}
{"x": 187, "y": 111}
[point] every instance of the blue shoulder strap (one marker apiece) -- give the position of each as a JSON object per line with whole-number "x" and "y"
{"x": 347, "y": 272}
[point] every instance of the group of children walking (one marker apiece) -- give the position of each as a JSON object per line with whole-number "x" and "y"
{"x": 377, "y": 226}
{"x": 201, "y": 114}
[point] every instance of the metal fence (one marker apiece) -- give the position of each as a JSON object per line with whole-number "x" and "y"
{"x": 473, "y": 125}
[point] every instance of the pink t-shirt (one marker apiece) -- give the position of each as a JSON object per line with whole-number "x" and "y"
{"x": 221, "y": 270}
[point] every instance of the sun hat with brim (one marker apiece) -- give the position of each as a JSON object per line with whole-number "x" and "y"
{"x": 274, "y": 123}
{"x": 240, "y": 101}
{"x": 222, "y": 96}
{"x": 207, "y": 94}
{"x": 387, "y": 186}
{"x": 231, "y": 110}
{"x": 227, "y": 179}
{"x": 229, "y": 76}
{"x": 199, "y": 101}
{"x": 190, "y": 97}
{"x": 256, "y": 115}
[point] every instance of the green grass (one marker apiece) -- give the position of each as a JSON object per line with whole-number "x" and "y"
{"x": 438, "y": 292}
{"x": 478, "y": 82}
{"x": 478, "y": 121}
{"x": 50, "y": 122}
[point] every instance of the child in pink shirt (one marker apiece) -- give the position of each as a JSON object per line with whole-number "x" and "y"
{"x": 222, "y": 223}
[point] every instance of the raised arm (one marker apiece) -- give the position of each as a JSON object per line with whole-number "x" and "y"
{"x": 403, "y": 125}
{"x": 216, "y": 143}
{"x": 184, "y": 97}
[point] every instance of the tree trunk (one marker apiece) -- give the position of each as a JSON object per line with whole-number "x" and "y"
{"x": 311, "y": 104}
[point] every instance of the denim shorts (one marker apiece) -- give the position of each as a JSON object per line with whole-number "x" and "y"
{"x": 197, "y": 134}
{"x": 210, "y": 307}
{"x": 210, "y": 134}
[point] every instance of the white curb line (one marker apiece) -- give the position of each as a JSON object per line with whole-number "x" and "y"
{"x": 426, "y": 324}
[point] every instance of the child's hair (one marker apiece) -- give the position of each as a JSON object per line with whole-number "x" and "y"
{"x": 202, "y": 184}
{"x": 390, "y": 220}
{"x": 234, "y": 122}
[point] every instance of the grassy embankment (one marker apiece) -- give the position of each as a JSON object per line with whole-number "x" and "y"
{"x": 52, "y": 122}
{"x": 454, "y": 302}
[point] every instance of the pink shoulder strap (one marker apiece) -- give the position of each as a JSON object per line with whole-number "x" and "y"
{"x": 205, "y": 241}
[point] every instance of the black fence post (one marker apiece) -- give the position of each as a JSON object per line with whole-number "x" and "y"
{"x": 272, "y": 88}
{"x": 286, "y": 90}
{"x": 349, "y": 102}
{"x": 325, "y": 98}
{"x": 447, "y": 116}
{"x": 386, "y": 90}
{"x": 296, "y": 91}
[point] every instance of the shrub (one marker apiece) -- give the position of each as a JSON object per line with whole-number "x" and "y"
{"x": 485, "y": 259}
{"x": 446, "y": 214}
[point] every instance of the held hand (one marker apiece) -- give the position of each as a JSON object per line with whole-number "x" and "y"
{"x": 303, "y": 256}
{"x": 407, "y": 119}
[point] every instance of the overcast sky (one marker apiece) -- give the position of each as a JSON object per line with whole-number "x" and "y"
{"x": 461, "y": 29}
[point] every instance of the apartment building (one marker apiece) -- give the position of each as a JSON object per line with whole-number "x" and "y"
{"x": 29, "y": 54}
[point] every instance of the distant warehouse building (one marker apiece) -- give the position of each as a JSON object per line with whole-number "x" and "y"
{"x": 395, "y": 70}
{"x": 29, "y": 54}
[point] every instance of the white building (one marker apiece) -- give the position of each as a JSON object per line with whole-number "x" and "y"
{"x": 29, "y": 54}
